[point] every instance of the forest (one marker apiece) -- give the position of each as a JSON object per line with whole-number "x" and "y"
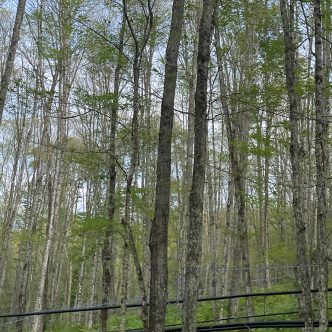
{"x": 165, "y": 165}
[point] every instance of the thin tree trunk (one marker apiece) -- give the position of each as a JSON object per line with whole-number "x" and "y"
{"x": 80, "y": 281}
{"x": 266, "y": 246}
{"x": 36, "y": 203}
{"x": 212, "y": 236}
{"x": 139, "y": 49}
{"x": 237, "y": 134}
{"x": 322, "y": 169}
{"x": 229, "y": 236}
{"x": 124, "y": 284}
{"x": 93, "y": 287}
{"x": 159, "y": 228}
{"x": 5, "y": 79}
{"x": 55, "y": 171}
{"x": 69, "y": 288}
{"x": 187, "y": 176}
{"x": 107, "y": 256}
{"x": 297, "y": 160}
{"x": 54, "y": 196}
{"x": 194, "y": 239}
{"x": 131, "y": 244}
{"x": 11, "y": 209}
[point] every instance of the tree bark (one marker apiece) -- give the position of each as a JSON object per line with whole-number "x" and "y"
{"x": 322, "y": 168}
{"x": 80, "y": 285}
{"x": 194, "y": 238}
{"x": 187, "y": 175}
{"x": 5, "y": 79}
{"x": 93, "y": 287}
{"x": 237, "y": 127}
{"x": 159, "y": 228}
{"x": 139, "y": 49}
{"x": 297, "y": 161}
{"x": 107, "y": 256}
{"x": 55, "y": 162}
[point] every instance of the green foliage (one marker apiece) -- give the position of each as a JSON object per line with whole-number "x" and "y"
{"x": 257, "y": 149}
{"x": 106, "y": 53}
{"x": 138, "y": 196}
{"x": 90, "y": 230}
{"x": 284, "y": 304}
{"x": 91, "y": 163}
{"x": 92, "y": 226}
{"x": 103, "y": 100}
{"x": 133, "y": 321}
{"x": 65, "y": 327}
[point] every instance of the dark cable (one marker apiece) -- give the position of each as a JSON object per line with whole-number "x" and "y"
{"x": 138, "y": 305}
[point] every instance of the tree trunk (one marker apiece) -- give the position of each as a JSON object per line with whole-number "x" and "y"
{"x": 139, "y": 49}
{"x": 194, "y": 239}
{"x": 237, "y": 126}
{"x": 35, "y": 205}
{"x": 5, "y": 79}
{"x": 159, "y": 228}
{"x": 297, "y": 161}
{"x": 12, "y": 203}
{"x": 80, "y": 285}
{"x": 322, "y": 168}
{"x": 124, "y": 284}
{"x": 212, "y": 235}
{"x": 54, "y": 196}
{"x": 93, "y": 287}
{"x": 228, "y": 239}
{"x": 107, "y": 256}
{"x": 187, "y": 176}
{"x": 55, "y": 163}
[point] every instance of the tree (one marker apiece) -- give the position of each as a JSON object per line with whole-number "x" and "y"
{"x": 287, "y": 10}
{"x": 190, "y": 62}
{"x": 140, "y": 43}
{"x": 5, "y": 79}
{"x": 322, "y": 164}
{"x": 196, "y": 198}
{"x": 159, "y": 228}
{"x": 107, "y": 251}
{"x": 55, "y": 163}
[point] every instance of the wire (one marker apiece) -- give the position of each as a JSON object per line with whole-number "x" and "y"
{"x": 138, "y": 305}
{"x": 242, "y": 326}
{"x": 253, "y": 316}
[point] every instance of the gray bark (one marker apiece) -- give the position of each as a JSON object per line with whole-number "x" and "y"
{"x": 93, "y": 287}
{"x": 187, "y": 176}
{"x": 159, "y": 228}
{"x": 297, "y": 161}
{"x": 130, "y": 177}
{"x": 322, "y": 169}
{"x": 5, "y": 79}
{"x": 80, "y": 285}
{"x": 237, "y": 126}
{"x": 194, "y": 238}
{"x": 107, "y": 256}
{"x": 228, "y": 238}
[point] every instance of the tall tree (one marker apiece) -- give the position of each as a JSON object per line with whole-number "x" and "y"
{"x": 5, "y": 79}
{"x": 191, "y": 71}
{"x": 55, "y": 161}
{"x": 107, "y": 250}
{"x": 322, "y": 164}
{"x": 140, "y": 42}
{"x": 287, "y": 9}
{"x": 159, "y": 228}
{"x": 194, "y": 238}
